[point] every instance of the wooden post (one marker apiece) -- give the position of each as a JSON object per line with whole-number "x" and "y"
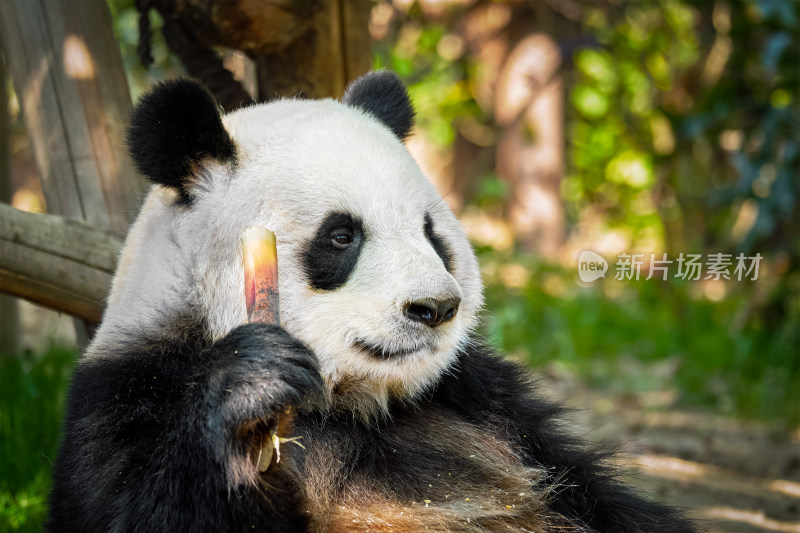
{"x": 69, "y": 78}
{"x": 9, "y": 308}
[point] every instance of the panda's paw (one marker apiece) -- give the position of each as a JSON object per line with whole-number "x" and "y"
{"x": 267, "y": 376}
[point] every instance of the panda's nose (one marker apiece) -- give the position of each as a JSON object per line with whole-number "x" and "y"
{"x": 431, "y": 311}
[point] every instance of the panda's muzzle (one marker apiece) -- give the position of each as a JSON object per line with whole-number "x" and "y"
{"x": 431, "y": 311}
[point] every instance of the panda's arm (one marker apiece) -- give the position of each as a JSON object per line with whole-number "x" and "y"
{"x": 485, "y": 387}
{"x": 158, "y": 434}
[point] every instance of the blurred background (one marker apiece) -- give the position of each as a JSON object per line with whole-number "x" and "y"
{"x": 553, "y": 127}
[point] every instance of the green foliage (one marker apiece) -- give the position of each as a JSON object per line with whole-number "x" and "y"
{"x": 31, "y": 410}
{"x": 437, "y": 85}
{"x": 754, "y": 106}
{"x": 617, "y": 129}
{"x": 125, "y": 18}
{"x": 696, "y": 103}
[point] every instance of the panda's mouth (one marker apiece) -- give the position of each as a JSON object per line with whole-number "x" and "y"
{"x": 383, "y": 352}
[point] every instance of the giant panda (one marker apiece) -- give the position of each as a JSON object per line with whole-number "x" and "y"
{"x": 408, "y": 420}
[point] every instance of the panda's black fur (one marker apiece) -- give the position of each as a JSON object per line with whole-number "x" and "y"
{"x": 157, "y": 135}
{"x": 161, "y": 407}
{"x": 380, "y": 95}
{"x": 163, "y": 426}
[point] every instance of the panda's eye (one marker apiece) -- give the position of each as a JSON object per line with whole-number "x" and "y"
{"x": 341, "y": 238}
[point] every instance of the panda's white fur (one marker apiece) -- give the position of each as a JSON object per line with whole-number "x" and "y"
{"x": 289, "y": 173}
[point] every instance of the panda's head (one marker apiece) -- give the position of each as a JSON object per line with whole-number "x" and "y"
{"x": 375, "y": 274}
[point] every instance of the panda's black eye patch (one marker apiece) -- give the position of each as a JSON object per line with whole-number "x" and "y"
{"x": 439, "y": 244}
{"x": 331, "y": 256}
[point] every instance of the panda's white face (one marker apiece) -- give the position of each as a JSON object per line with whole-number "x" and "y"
{"x": 375, "y": 274}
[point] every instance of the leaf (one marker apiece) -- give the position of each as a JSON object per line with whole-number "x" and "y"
{"x": 782, "y": 10}
{"x": 773, "y": 50}
{"x": 590, "y": 102}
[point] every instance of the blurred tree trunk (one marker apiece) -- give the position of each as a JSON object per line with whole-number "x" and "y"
{"x": 529, "y": 105}
{"x": 69, "y": 78}
{"x": 308, "y": 48}
{"x": 516, "y": 49}
{"x": 336, "y": 49}
{"x": 9, "y": 308}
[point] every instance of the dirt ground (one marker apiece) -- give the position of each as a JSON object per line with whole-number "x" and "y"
{"x": 733, "y": 476}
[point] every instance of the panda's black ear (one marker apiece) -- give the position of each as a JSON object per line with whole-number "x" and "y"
{"x": 174, "y": 127}
{"x": 382, "y": 94}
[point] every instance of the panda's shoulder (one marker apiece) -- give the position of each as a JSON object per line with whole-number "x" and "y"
{"x": 130, "y": 365}
{"x": 485, "y": 383}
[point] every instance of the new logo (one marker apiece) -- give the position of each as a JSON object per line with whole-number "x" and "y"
{"x": 591, "y": 266}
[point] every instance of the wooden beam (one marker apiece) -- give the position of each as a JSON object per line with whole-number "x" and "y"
{"x": 63, "y": 264}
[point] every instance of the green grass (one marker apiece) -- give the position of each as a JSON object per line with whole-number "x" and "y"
{"x": 648, "y": 336}
{"x": 32, "y": 390}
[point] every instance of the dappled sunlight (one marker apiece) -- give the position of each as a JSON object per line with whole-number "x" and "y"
{"x": 514, "y": 276}
{"x": 697, "y": 421}
{"x": 531, "y": 66}
{"x": 33, "y": 88}
{"x": 753, "y": 518}
{"x": 487, "y": 230}
{"x": 672, "y": 466}
{"x": 713, "y": 477}
{"x": 554, "y": 285}
{"x": 538, "y": 213}
{"x": 28, "y": 200}
{"x": 723, "y": 45}
{"x": 528, "y": 106}
{"x": 789, "y": 488}
{"x": 78, "y": 62}
{"x": 593, "y": 236}
{"x": 714, "y": 290}
{"x": 745, "y": 218}
{"x": 630, "y": 168}
{"x": 663, "y": 134}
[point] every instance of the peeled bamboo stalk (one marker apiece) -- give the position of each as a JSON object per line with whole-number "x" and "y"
{"x": 260, "y": 258}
